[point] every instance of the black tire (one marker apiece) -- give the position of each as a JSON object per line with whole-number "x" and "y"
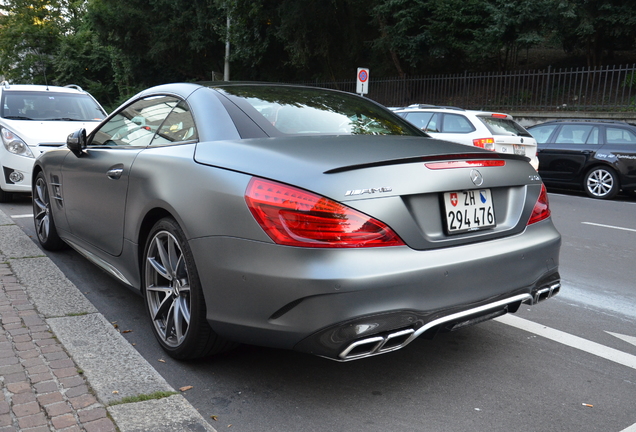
{"x": 174, "y": 297}
{"x": 43, "y": 216}
{"x": 5, "y": 196}
{"x": 601, "y": 182}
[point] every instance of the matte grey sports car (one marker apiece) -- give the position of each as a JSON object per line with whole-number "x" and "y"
{"x": 296, "y": 218}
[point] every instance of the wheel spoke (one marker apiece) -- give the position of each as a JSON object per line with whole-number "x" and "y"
{"x": 160, "y": 269}
{"x": 177, "y": 319}
{"x": 163, "y": 297}
{"x": 167, "y": 330}
{"x": 43, "y": 227}
{"x": 41, "y": 206}
{"x": 184, "y": 308}
{"x": 173, "y": 255}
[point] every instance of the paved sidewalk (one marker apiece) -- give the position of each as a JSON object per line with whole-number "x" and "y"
{"x": 42, "y": 388}
{"x": 63, "y": 366}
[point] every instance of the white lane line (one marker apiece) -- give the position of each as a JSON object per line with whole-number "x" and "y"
{"x": 628, "y": 339}
{"x": 594, "y": 348}
{"x": 22, "y": 216}
{"x": 609, "y": 226}
{"x": 631, "y": 428}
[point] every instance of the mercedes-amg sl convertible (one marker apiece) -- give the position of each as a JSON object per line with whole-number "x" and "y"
{"x": 297, "y": 218}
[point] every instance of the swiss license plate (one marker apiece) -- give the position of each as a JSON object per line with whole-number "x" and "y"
{"x": 469, "y": 210}
{"x": 519, "y": 149}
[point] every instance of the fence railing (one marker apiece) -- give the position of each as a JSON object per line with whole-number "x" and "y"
{"x": 607, "y": 88}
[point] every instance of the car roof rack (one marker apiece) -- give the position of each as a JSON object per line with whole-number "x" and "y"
{"x": 582, "y": 120}
{"x": 74, "y": 86}
{"x": 5, "y": 84}
{"x": 424, "y": 106}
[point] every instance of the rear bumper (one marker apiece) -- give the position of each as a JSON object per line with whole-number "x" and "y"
{"x": 324, "y": 300}
{"x": 342, "y": 342}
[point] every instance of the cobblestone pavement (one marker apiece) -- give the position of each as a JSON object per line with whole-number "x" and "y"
{"x": 41, "y": 388}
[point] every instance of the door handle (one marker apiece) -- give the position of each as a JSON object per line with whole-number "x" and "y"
{"x": 115, "y": 173}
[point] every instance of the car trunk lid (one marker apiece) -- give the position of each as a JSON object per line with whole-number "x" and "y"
{"x": 400, "y": 181}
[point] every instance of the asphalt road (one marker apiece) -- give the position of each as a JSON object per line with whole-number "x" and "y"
{"x": 568, "y": 364}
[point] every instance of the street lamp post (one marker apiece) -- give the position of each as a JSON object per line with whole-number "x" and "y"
{"x": 226, "y": 69}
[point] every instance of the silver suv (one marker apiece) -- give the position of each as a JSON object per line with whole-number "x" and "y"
{"x": 488, "y": 130}
{"x": 34, "y": 119}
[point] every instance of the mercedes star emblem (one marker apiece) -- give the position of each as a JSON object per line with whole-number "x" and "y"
{"x": 476, "y": 177}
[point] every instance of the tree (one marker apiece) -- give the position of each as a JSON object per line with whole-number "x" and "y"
{"x": 596, "y": 27}
{"x": 159, "y": 41}
{"x": 81, "y": 59}
{"x": 511, "y": 26}
{"x": 29, "y": 36}
{"x": 450, "y": 35}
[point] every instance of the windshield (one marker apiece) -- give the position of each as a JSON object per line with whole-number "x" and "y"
{"x": 49, "y": 106}
{"x": 299, "y": 110}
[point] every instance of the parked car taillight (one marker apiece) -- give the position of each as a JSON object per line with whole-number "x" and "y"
{"x": 485, "y": 143}
{"x": 294, "y": 217}
{"x": 541, "y": 209}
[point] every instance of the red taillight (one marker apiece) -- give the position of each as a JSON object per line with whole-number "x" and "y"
{"x": 541, "y": 209}
{"x": 497, "y": 115}
{"x": 465, "y": 164}
{"x": 485, "y": 143}
{"x": 294, "y": 217}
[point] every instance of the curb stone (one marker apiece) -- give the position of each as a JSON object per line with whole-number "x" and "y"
{"x": 67, "y": 364}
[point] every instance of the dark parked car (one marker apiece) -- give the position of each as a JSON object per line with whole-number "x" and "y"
{"x": 597, "y": 156}
{"x": 296, "y": 218}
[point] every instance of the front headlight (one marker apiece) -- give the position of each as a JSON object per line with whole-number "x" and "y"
{"x": 14, "y": 144}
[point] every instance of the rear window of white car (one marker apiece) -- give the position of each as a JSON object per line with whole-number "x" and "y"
{"x": 503, "y": 126}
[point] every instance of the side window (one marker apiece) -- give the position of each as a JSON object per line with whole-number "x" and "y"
{"x": 434, "y": 124}
{"x": 419, "y": 119}
{"x": 136, "y": 124}
{"x": 593, "y": 138}
{"x": 616, "y": 135}
{"x": 573, "y": 134}
{"x": 178, "y": 126}
{"x": 542, "y": 133}
{"x": 455, "y": 123}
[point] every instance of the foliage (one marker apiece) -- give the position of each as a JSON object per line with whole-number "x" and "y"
{"x": 596, "y": 27}
{"x": 177, "y": 43}
{"x": 29, "y": 35}
{"x": 113, "y": 48}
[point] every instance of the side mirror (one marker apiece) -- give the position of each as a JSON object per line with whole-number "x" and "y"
{"x": 76, "y": 142}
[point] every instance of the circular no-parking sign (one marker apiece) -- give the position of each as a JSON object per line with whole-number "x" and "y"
{"x": 362, "y": 85}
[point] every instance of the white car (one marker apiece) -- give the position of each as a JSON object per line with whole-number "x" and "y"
{"x": 488, "y": 130}
{"x": 35, "y": 119}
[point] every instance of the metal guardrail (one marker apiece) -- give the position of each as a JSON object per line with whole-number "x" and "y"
{"x": 606, "y": 88}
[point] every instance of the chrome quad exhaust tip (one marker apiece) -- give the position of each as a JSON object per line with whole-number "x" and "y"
{"x": 546, "y": 292}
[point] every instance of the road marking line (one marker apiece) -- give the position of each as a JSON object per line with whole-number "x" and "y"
{"x": 609, "y": 226}
{"x": 590, "y": 347}
{"x": 24, "y": 216}
{"x": 631, "y": 428}
{"x": 628, "y": 339}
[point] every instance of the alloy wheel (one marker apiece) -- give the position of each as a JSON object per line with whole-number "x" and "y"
{"x": 41, "y": 210}
{"x": 601, "y": 183}
{"x": 168, "y": 288}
